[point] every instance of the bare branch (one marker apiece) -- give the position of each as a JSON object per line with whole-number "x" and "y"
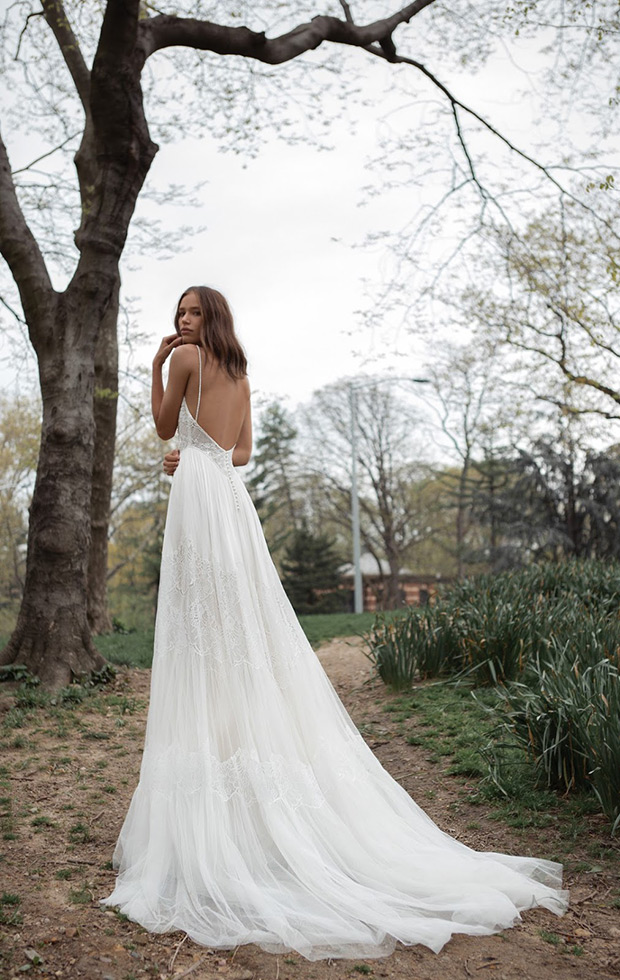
{"x": 168, "y": 31}
{"x": 457, "y": 104}
{"x": 35, "y": 13}
{"x": 13, "y": 312}
{"x": 43, "y": 156}
{"x": 21, "y": 251}
{"x": 347, "y": 11}
{"x": 58, "y": 22}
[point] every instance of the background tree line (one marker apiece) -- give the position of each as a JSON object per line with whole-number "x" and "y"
{"x": 80, "y": 71}
{"x": 457, "y": 479}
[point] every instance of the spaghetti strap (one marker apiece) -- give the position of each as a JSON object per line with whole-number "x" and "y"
{"x": 199, "y": 381}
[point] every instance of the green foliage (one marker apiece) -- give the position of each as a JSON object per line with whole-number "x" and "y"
{"x": 566, "y": 717}
{"x": 492, "y": 627}
{"x": 132, "y": 649}
{"x": 9, "y": 912}
{"x": 311, "y": 574}
{"x": 19, "y": 447}
{"x": 17, "y": 672}
{"x": 548, "y": 639}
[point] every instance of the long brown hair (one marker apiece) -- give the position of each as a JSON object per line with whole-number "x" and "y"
{"x": 218, "y": 335}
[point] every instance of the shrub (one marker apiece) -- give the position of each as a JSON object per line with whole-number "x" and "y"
{"x": 567, "y": 718}
{"x": 548, "y": 637}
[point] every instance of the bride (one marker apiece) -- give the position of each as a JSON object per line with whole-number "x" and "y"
{"x": 261, "y": 816}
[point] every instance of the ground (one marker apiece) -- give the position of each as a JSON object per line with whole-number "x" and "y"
{"x": 65, "y": 784}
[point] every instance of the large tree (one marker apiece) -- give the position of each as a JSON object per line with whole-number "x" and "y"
{"x": 72, "y": 329}
{"x": 67, "y": 328}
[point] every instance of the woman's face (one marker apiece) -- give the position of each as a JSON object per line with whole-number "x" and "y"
{"x": 189, "y": 319}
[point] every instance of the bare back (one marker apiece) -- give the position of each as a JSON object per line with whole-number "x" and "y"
{"x": 223, "y": 400}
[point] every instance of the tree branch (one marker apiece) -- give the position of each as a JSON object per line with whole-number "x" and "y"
{"x": 457, "y": 104}
{"x": 58, "y": 22}
{"x": 168, "y": 31}
{"x": 43, "y": 156}
{"x": 21, "y": 252}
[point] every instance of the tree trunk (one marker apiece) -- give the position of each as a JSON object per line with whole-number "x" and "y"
{"x": 393, "y": 598}
{"x": 105, "y": 405}
{"x": 460, "y": 520}
{"x": 52, "y": 636}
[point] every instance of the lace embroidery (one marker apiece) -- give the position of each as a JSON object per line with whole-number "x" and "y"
{"x": 206, "y": 607}
{"x": 243, "y": 775}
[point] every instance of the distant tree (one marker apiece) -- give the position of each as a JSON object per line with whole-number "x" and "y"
{"x": 272, "y": 481}
{"x": 550, "y": 295}
{"x": 311, "y": 575}
{"x": 138, "y": 515}
{"x": 556, "y": 502}
{"x": 387, "y": 437}
{"x": 19, "y": 444}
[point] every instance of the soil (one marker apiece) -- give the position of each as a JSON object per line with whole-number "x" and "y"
{"x": 66, "y": 785}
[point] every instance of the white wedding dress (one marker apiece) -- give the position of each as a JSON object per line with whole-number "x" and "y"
{"x": 261, "y": 816}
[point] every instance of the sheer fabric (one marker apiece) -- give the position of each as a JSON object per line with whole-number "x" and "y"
{"x": 261, "y": 816}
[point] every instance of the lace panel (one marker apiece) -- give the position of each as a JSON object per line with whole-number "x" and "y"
{"x": 243, "y": 775}
{"x": 206, "y": 607}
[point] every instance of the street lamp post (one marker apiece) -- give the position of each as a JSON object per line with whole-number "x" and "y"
{"x": 358, "y": 595}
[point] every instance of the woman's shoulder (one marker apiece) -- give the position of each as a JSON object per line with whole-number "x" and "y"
{"x": 184, "y": 361}
{"x": 186, "y": 355}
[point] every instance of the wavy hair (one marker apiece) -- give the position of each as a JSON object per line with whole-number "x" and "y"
{"x": 218, "y": 335}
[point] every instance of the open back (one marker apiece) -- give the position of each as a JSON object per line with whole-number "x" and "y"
{"x": 219, "y": 402}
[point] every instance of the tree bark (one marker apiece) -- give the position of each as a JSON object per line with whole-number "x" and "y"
{"x": 105, "y": 403}
{"x": 52, "y": 637}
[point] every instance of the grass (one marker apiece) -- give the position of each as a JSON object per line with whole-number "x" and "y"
{"x": 457, "y": 726}
{"x": 80, "y": 896}
{"x": 9, "y": 911}
{"x": 79, "y": 833}
{"x": 135, "y": 649}
{"x": 323, "y": 627}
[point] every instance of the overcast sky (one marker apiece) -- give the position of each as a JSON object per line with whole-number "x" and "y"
{"x": 280, "y": 230}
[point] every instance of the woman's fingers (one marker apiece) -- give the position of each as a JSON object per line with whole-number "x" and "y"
{"x": 166, "y": 347}
{"x": 171, "y": 461}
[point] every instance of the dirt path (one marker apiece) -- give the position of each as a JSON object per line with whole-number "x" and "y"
{"x": 65, "y": 784}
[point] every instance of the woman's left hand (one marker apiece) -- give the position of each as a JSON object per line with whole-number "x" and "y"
{"x": 171, "y": 461}
{"x": 165, "y": 349}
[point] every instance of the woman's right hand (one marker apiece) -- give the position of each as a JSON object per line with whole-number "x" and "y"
{"x": 166, "y": 347}
{"x": 171, "y": 461}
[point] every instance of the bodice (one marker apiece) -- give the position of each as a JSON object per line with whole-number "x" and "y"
{"x": 192, "y": 435}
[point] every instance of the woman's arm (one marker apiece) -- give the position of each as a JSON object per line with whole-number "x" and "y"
{"x": 166, "y": 404}
{"x": 243, "y": 449}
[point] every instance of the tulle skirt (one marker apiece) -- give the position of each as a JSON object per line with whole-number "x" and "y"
{"x": 261, "y": 816}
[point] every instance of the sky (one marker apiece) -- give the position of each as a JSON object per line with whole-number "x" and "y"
{"x": 283, "y": 232}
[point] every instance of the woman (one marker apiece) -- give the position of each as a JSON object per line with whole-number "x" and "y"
{"x": 261, "y": 815}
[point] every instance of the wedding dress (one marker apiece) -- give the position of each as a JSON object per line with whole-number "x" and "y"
{"x": 261, "y": 816}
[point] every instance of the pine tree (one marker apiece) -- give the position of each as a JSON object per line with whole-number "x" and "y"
{"x": 311, "y": 573}
{"x": 272, "y": 483}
